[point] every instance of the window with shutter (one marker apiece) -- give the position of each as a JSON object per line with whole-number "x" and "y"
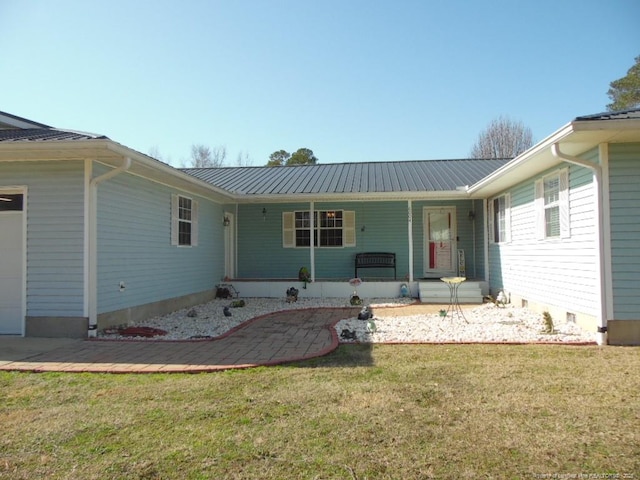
{"x": 332, "y": 228}
{"x": 552, "y": 206}
{"x": 288, "y": 230}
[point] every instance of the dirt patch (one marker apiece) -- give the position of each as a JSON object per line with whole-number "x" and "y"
{"x": 413, "y": 309}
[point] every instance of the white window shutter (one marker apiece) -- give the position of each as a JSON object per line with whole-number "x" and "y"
{"x": 349, "y": 228}
{"x": 490, "y": 219}
{"x": 194, "y": 223}
{"x": 565, "y": 219}
{"x": 174, "y": 219}
{"x": 507, "y": 217}
{"x": 539, "y": 209}
{"x": 288, "y": 230}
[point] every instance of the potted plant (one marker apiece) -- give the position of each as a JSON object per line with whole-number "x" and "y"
{"x": 304, "y": 276}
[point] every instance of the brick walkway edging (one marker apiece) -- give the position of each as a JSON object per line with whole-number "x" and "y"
{"x": 271, "y": 339}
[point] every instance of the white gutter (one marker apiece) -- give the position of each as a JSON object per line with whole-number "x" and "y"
{"x": 600, "y": 251}
{"x": 523, "y": 158}
{"x": 93, "y": 242}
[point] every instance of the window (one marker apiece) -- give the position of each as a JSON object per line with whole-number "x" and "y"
{"x": 500, "y": 219}
{"x": 551, "y": 196}
{"x": 184, "y": 221}
{"x": 11, "y": 202}
{"x": 552, "y": 206}
{"x": 331, "y": 228}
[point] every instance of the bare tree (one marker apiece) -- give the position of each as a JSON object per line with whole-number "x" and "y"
{"x": 503, "y": 138}
{"x": 155, "y": 152}
{"x": 243, "y": 159}
{"x": 207, "y": 157}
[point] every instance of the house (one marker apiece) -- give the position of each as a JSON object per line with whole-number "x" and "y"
{"x": 93, "y": 233}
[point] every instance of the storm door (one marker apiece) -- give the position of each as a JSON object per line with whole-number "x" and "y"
{"x": 440, "y": 241}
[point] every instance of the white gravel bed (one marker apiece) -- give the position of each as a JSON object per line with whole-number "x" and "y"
{"x": 211, "y": 322}
{"x": 485, "y": 323}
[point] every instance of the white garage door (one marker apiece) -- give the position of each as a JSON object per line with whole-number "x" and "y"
{"x": 11, "y": 264}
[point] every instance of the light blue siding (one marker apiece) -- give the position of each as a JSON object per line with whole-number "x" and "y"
{"x": 55, "y": 234}
{"x": 134, "y": 245}
{"x": 260, "y": 245}
{"x": 379, "y": 226}
{"x": 624, "y": 186}
{"x": 557, "y": 272}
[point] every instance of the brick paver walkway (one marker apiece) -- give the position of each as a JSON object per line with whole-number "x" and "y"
{"x": 268, "y": 340}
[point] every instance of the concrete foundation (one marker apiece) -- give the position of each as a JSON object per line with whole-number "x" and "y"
{"x": 623, "y": 332}
{"x": 56, "y": 327}
{"x": 131, "y": 315}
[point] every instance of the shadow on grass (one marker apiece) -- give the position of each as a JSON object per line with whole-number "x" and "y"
{"x": 346, "y": 355}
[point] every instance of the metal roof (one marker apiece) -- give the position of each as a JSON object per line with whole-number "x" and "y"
{"x": 7, "y": 120}
{"x": 345, "y": 178}
{"x": 620, "y": 115}
{"x": 44, "y": 134}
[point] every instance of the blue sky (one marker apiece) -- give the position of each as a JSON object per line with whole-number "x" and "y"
{"x": 353, "y": 80}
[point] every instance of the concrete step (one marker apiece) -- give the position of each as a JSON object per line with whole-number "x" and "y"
{"x": 438, "y": 292}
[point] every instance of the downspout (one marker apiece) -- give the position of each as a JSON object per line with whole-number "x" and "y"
{"x": 600, "y": 251}
{"x": 93, "y": 242}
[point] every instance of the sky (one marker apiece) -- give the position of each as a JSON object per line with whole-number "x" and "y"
{"x": 353, "y": 80}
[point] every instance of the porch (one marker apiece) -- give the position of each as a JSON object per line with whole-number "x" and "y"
{"x": 426, "y": 290}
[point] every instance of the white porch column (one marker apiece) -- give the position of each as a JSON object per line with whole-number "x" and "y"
{"x": 485, "y": 233}
{"x": 312, "y": 246}
{"x": 410, "y": 232}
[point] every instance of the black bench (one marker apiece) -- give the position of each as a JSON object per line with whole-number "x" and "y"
{"x": 376, "y": 260}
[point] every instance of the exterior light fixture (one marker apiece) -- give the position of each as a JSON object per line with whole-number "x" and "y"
{"x": 264, "y": 213}
{"x": 226, "y": 221}
{"x": 472, "y": 215}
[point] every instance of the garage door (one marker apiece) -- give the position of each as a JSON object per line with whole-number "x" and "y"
{"x": 11, "y": 264}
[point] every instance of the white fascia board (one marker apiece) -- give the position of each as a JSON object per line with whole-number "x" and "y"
{"x": 353, "y": 197}
{"x": 168, "y": 170}
{"x": 613, "y": 124}
{"x": 522, "y": 159}
{"x": 590, "y": 132}
{"x": 110, "y": 153}
{"x": 50, "y": 150}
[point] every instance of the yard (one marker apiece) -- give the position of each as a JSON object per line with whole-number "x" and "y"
{"x": 365, "y": 411}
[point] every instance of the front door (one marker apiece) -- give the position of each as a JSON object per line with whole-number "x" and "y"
{"x": 11, "y": 263}
{"x": 440, "y": 241}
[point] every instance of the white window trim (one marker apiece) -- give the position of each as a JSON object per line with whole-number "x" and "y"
{"x": 563, "y": 206}
{"x": 507, "y": 219}
{"x": 175, "y": 221}
{"x": 289, "y": 229}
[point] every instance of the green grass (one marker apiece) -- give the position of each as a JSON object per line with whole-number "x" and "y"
{"x": 401, "y": 412}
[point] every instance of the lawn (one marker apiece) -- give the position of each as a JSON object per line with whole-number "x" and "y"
{"x": 365, "y": 411}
